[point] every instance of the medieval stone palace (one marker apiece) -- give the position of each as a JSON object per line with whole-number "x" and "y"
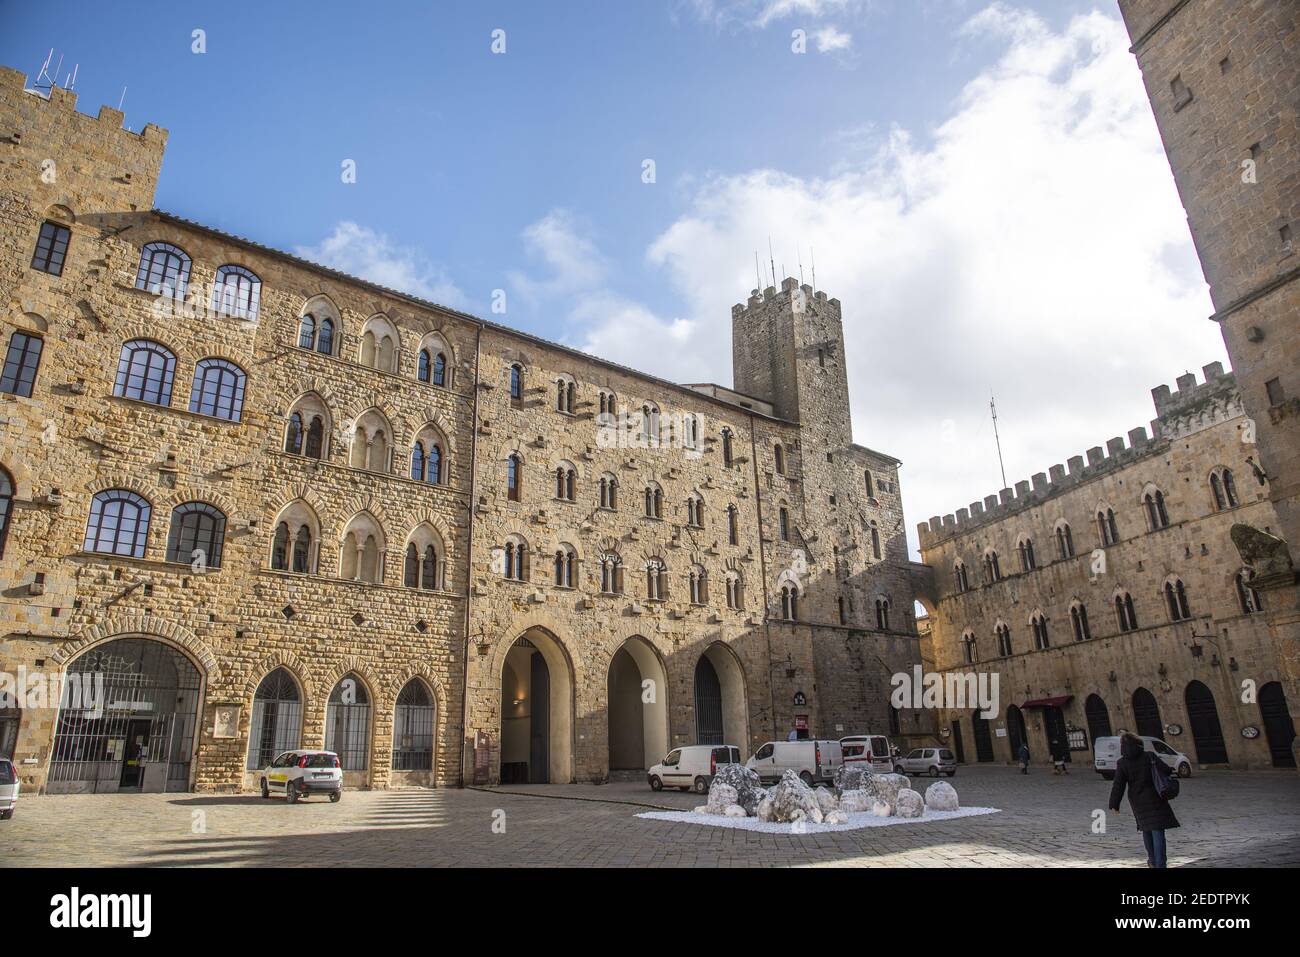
{"x": 249, "y": 504}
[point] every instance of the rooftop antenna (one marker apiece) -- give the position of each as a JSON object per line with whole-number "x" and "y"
{"x": 994, "y": 410}
{"x": 43, "y": 74}
{"x": 758, "y": 274}
{"x": 813, "y": 254}
{"x": 71, "y": 81}
{"x": 798, "y": 256}
{"x": 121, "y": 99}
{"x": 771, "y": 258}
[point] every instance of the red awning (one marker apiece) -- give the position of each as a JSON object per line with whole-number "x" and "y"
{"x": 1047, "y": 702}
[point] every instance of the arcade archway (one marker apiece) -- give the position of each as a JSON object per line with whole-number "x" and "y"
{"x": 637, "y": 707}
{"x": 536, "y": 712}
{"x": 721, "y": 715}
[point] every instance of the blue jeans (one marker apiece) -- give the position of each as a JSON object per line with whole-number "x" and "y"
{"x": 1154, "y": 842}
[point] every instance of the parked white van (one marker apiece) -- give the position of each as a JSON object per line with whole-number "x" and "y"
{"x": 814, "y": 761}
{"x": 871, "y": 750}
{"x": 691, "y": 767}
{"x": 1106, "y": 753}
{"x": 9, "y": 786}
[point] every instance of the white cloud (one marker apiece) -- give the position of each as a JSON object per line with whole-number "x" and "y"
{"x": 360, "y": 251}
{"x": 574, "y": 262}
{"x": 1035, "y": 246}
{"x": 829, "y": 39}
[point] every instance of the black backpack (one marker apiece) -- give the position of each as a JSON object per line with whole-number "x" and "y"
{"x": 1166, "y": 784}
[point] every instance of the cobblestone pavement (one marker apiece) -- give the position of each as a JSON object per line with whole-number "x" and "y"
{"x": 1247, "y": 819}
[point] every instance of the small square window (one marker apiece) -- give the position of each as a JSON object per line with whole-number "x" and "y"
{"x": 1276, "y": 396}
{"x": 51, "y": 248}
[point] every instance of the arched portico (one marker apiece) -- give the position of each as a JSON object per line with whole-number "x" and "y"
{"x": 637, "y": 706}
{"x": 536, "y": 711}
{"x": 721, "y": 713}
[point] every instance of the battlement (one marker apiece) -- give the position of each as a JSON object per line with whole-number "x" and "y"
{"x": 1192, "y": 407}
{"x": 88, "y": 164}
{"x": 783, "y": 296}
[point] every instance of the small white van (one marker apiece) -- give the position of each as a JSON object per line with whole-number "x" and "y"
{"x": 9, "y": 786}
{"x": 1105, "y": 752}
{"x": 691, "y": 767}
{"x": 814, "y": 761}
{"x": 870, "y": 750}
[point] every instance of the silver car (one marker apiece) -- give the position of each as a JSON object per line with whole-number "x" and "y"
{"x": 931, "y": 761}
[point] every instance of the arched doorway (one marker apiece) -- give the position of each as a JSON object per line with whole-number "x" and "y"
{"x": 1146, "y": 714}
{"x": 536, "y": 712}
{"x": 637, "y": 707}
{"x": 1016, "y": 735}
{"x": 127, "y": 717}
{"x": 1203, "y": 716}
{"x": 11, "y": 717}
{"x": 1094, "y": 710}
{"x": 721, "y": 716}
{"x": 983, "y": 738}
{"x": 1279, "y": 729}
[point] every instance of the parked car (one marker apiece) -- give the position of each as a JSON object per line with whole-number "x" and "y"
{"x": 814, "y": 761}
{"x": 691, "y": 767}
{"x": 296, "y": 774}
{"x": 931, "y": 761}
{"x": 1105, "y": 752}
{"x": 8, "y": 789}
{"x": 872, "y": 750}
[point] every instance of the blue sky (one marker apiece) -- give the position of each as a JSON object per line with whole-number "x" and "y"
{"x": 968, "y": 173}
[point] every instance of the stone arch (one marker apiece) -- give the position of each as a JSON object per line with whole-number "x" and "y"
{"x": 562, "y": 677}
{"x": 13, "y": 461}
{"x": 637, "y": 729}
{"x": 30, "y": 321}
{"x": 734, "y": 686}
{"x": 279, "y": 658}
{"x": 197, "y": 493}
{"x": 168, "y": 632}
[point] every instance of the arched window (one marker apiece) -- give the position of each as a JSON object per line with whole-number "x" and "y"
{"x": 22, "y": 359}
{"x": 517, "y": 386}
{"x": 427, "y": 460}
{"x": 292, "y": 545}
{"x": 305, "y": 428}
{"x": 380, "y": 344}
{"x": 1094, "y": 710}
{"x": 735, "y": 596}
{"x": 51, "y": 250}
{"x": 370, "y": 442}
{"x": 236, "y": 292}
{"x": 695, "y": 511}
{"x": 164, "y": 270}
{"x": 566, "y": 482}
{"x": 1039, "y": 624}
{"x": 656, "y": 580}
{"x": 413, "y": 728}
{"x": 361, "y": 556}
{"x": 218, "y": 389}
{"x": 566, "y": 566}
{"x": 970, "y": 648}
{"x": 871, "y": 488}
{"x": 514, "y": 476}
{"x": 1176, "y": 600}
{"x": 145, "y": 372}
{"x": 197, "y": 534}
{"x": 608, "y": 491}
{"x": 611, "y": 574}
{"x": 789, "y": 602}
{"x": 515, "y": 566}
{"x": 875, "y": 539}
{"x": 778, "y": 456}
{"x": 1247, "y": 596}
{"x": 307, "y": 332}
{"x": 1064, "y": 541}
{"x": 733, "y": 525}
{"x": 1003, "y": 634}
{"x": 1224, "y": 488}
{"x": 293, "y": 434}
{"x": 1079, "y": 622}
{"x": 654, "y": 501}
{"x": 1157, "y": 517}
{"x": 882, "y": 614}
{"x": 699, "y": 585}
{"x": 728, "y": 453}
{"x": 6, "y": 506}
{"x": 325, "y": 341}
{"x": 1107, "y": 530}
{"x": 992, "y": 570}
{"x": 565, "y": 395}
{"x": 276, "y": 722}
{"x": 119, "y": 523}
{"x": 421, "y": 566}
{"x": 783, "y": 523}
{"x": 347, "y": 723}
{"x": 424, "y": 366}
{"x": 961, "y": 577}
{"x": 1026, "y": 549}
{"x": 1124, "y": 613}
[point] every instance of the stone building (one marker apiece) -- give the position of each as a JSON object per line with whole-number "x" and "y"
{"x": 249, "y": 504}
{"x": 1107, "y": 594}
{"x": 1223, "y": 78}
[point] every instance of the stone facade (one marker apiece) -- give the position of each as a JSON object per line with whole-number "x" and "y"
{"x": 1223, "y": 84}
{"x": 779, "y": 452}
{"x": 1034, "y": 556}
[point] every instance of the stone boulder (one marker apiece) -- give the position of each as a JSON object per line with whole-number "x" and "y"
{"x": 791, "y": 800}
{"x": 881, "y": 809}
{"x": 826, "y": 800}
{"x": 885, "y": 788}
{"x": 941, "y": 796}
{"x": 721, "y": 796}
{"x": 734, "y": 810}
{"x": 835, "y": 817}
{"x": 910, "y": 804}
{"x": 849, "y": 777}
{"x": 855, "y": 802}
{"x": 749, "y": 790}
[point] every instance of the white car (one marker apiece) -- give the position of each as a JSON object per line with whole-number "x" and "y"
{"x": 296, "y": 774}
{"x": 814, "y": 761}
{"x": 1106, "y": 754}
{"x": 691, "y": 767}
{"x": 8, "y": 789}
{"x": 931, "y": 761}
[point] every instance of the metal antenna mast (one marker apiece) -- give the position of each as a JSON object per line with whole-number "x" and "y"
{"x": 994, "y": 410}
{"x": 771, "y": 258}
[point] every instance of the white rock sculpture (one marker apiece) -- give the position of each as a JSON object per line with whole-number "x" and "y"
{"x": 735, "y": 810}
{"x": 826, "y": 800}
{"x": 790, "y": 800}
{"x": 749, "y": 790}
{"x": 941, "y": 796}
{"x": 855, "y": 802}
{"x": 910, "y": 804}
{"x": 720, "y": 797}
{"x": 881, "y": 809}
{"x": 835, "y": 817}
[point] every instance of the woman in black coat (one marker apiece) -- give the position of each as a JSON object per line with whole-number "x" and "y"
{"x": 1152, "y": 812}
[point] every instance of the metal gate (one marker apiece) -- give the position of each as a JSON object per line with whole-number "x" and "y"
{"x": 708, "y": 704}
{"x": 1203, "y": 716}
{"x": 1146, "y": 714}
{"x": 127, "y": 715}
{"x": 539, "y": 722}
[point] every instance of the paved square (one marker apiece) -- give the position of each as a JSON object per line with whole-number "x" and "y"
{"x": 1229, "y": 819}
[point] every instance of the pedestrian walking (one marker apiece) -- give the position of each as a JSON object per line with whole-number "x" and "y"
{"x": 1145, "y": 776}
{"x": 1024, "y": 758}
